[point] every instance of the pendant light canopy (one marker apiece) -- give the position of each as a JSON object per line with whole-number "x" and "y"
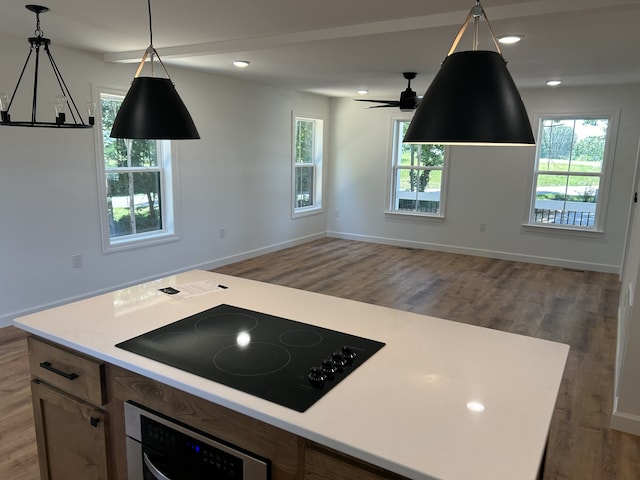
{"x": 63, "y": 103}
{"x": 152, "y": 109}
{"x": 472, "y": 100}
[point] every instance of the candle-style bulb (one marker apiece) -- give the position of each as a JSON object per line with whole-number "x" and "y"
{"x": 60, "y": 109}
{"x": 4, "y": 106}
{"x": 91, "y": 112}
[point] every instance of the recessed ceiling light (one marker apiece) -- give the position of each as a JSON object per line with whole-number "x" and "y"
{"x": 241, "y": 63}
{"x": 362, "y": 92}
{"x": 554, "y": 83}
{"x": 510, "y": 38}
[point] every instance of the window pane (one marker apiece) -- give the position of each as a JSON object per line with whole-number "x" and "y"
{"x": 119, "y": 205}
{"x": 588, "y": 150}
{"x": 572, "y": 201}
{"x": 144, "y": 153}
{"x": 425, "y": 155}
{"x": 148, "y": 215}
{"x": 304, "y": 186}
{"x": 304, "y": 141}
{"x": 575, "y": 145}
{"x": 556, "y": 142}
{"x": 418, "y": 190}
{"x": 133, "y": 203}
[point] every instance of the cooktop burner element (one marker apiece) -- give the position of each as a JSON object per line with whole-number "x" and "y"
{"x": 283, "y": 361}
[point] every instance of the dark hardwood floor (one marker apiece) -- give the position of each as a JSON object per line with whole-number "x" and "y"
{"x": 573, "y": 307}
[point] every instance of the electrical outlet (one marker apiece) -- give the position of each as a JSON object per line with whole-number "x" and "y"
{"x": 483, "y": 227}
{"x": 222, "y": 232}
{"x": 337, "y": 213}
{"x": 76, "y": 261}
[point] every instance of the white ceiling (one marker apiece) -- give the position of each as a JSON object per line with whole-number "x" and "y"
{"x": 334, "y": 47}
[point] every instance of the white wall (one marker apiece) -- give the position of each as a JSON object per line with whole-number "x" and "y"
{"x": 238, "y": 176}
{"x": 626, "y": 414}
{"x": 486, "y": 185}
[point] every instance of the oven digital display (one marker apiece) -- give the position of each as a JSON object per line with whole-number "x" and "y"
{"x": 190, "y": 458}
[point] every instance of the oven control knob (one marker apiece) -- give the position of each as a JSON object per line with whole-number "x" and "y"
{"x": 329, "y": 368}
{"x": 338, "y": 360}
{"x": 348, "y": 354}
{"x": 316, "y": 377}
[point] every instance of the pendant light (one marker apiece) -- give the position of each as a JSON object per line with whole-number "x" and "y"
{"x": 152, "y": 109}
{"x": 472, "y": 100}
{"x": 63, "y": 102}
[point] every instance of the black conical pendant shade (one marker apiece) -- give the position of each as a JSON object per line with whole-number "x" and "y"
{"x": 152, "y": 109}
{"x": 472, "y": 101}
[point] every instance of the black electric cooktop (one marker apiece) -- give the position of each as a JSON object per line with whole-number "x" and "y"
{"x": 283, "y": 361}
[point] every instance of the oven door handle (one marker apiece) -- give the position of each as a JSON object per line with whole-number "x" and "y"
{"x": 153, "y": 469}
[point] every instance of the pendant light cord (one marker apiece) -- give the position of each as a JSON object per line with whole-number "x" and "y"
{"x": 150, "y": 29}
{"x": 150, "y": 51}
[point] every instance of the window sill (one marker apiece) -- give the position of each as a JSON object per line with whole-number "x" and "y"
{"x": 560, "y": 230}
{"x": 307, "y": 212}
{"x": 428, "y": 216}
{"x": 120, "y": 244}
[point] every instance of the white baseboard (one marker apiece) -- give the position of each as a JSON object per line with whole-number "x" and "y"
{"x": 7, "y": 319}
{"x": 516, "y": 257}
{"x": 626, "y": 422}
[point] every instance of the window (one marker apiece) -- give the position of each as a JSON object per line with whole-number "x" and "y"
{"x": 417, "y": 176}
{"x": 570, "y": 172}
{"x": 307, "y": 165}
{"x": 135, "y": 184}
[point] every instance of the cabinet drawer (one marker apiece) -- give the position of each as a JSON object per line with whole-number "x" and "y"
{"x": 76, "y": 374}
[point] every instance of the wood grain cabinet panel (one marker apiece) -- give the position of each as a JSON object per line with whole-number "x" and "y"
{"x": 76, "y": 374}
{"x": 321, "y": 463}
{"x": 71, "y": 436}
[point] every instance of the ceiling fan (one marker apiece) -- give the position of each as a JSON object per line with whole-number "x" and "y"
{"x": 408, "y": 102}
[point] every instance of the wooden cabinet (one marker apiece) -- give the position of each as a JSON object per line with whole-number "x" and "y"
{"x": 80, "y": 429}
{"x": 71, "y": 427}
{"x": 321, "y": 463}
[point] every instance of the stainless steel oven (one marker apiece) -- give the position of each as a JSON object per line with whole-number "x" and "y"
{"x": 159, "y": 448}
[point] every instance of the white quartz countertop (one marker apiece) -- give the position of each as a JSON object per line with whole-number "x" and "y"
{"x": 406, "y": 409}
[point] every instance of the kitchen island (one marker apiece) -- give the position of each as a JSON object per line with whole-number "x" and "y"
{"x": 440, "y": 400}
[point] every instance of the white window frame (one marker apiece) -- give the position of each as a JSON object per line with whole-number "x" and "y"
{"x": 318, "y": 162}
{"x": 395, "y": 153}
{"x": 604, "y": 182}
{"x": 167, "y": 167}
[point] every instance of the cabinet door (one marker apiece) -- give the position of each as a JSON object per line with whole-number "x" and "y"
{"x": 325, "y": 465}
{"x": 70, "y": 434}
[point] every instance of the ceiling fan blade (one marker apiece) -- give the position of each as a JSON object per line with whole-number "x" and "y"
{"x": 409, "y": 101}
{"x": 384, "y": 106}
{"x": 391, "y": 103}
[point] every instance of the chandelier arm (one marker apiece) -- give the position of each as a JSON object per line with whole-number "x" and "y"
{"x": 63, "y": 87}
{"x": 34, "y": 100}
{"x": 15, "y": 90}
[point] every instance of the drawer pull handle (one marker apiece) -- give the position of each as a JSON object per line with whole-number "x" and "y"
{"x": 51, "y": 368}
